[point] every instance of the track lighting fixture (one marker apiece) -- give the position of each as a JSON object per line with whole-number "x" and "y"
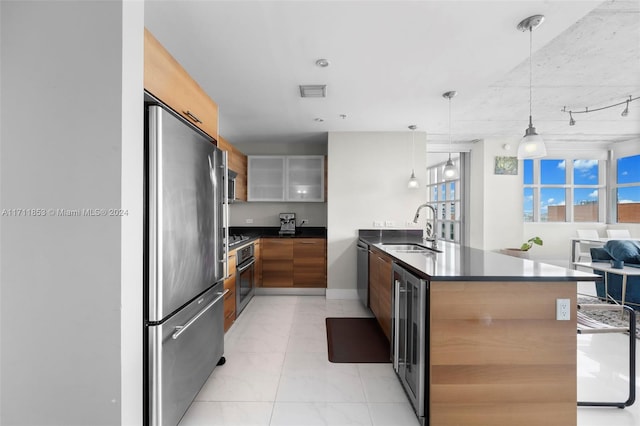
{"x": 624, "y": 113}
{"x": 413, "y": 181}
{"x": 531, "y": 145}
{"x": 626, "y": 110}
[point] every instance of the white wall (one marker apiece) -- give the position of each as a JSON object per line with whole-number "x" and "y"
{"x": 64, "y": 122}
{"x": 132, "y": 224}
{"x": 368, "y": 175}
{"x": 496, "y": 200}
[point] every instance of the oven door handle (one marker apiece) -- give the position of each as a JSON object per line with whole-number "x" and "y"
{"x": 241, "y": 269}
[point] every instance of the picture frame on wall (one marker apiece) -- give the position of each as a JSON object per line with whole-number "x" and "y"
{"x": 506, "y": 166}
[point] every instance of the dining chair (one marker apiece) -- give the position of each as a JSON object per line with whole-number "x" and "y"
{"x": 618, "y": 233}
{"x": 584, "y": 249}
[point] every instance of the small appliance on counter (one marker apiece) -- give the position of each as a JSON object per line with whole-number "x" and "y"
{"x": 287, "y": 224}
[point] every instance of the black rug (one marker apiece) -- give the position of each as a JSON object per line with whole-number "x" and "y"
{"x": 612, "y": 318}
{"x": 359, "y": 340}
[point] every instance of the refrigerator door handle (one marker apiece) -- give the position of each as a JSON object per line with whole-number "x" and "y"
{"x": 181, "y": 328}
{"x": 225, "y": 212}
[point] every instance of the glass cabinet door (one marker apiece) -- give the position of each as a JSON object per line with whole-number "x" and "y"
{"x": 305, "y": 178}
{"x": 266, "y": 180}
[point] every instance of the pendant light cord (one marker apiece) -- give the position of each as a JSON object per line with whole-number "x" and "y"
{"x": 413, "y": 150}
{"x": 449, "y": 128}
{"x": 530, "y": 71}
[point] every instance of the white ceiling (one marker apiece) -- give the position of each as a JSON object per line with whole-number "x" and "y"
{"x": 392, "y": 60}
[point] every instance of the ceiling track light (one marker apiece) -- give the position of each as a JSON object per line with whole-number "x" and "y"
{"x": 587, "y": 110}
{"x": 532, "y": 144}
{"x": 413, "y": 181}
{"x": 450, "y": 171}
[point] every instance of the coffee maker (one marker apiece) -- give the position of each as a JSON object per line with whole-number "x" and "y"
{"x": 287, "y": 224}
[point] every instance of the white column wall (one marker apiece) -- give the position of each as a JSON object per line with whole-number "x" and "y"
{"x": 368, "y": 175}
{"x": 70, "y": 312}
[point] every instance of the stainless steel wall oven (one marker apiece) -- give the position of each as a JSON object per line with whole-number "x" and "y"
{"x": 245, "y": 276}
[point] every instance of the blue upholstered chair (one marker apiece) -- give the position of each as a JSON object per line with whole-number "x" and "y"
{"x": 629, "y": 252}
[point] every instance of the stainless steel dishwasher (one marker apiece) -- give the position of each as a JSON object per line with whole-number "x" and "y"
{"x": 363, "y": 273}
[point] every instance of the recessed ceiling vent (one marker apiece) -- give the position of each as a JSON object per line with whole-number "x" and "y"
{"x": 313, "y": 91}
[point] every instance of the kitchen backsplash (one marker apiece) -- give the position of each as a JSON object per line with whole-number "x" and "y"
{"x": 267, "y": 214}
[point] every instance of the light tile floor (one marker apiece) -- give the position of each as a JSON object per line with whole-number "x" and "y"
{"x": 277, "y": 373}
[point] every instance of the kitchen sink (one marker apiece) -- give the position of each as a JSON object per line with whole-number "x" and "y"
{"x": 409, "y": 248}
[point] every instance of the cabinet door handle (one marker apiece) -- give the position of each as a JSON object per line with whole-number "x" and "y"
{"x": 192, "y": 116}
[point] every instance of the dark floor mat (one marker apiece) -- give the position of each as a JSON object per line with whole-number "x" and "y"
{"x": 356, "y": 340}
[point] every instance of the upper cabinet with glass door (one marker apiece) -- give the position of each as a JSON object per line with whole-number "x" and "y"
{"x": 286, "y": 178}
{"x": 305, "y": 178}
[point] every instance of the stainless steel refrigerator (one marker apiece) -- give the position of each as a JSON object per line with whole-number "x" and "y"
{"x": 184, "y": 270}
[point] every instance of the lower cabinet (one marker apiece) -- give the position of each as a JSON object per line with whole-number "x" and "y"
{"x": 380, "y": 288}
{"x": 294, "y": 262}
{"x": 309, "y": 262}
{"x": 230, "y": 297}
{"x": 277, "y": 262}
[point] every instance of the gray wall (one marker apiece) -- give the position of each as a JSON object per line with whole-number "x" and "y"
{"x": 61, "y": 148}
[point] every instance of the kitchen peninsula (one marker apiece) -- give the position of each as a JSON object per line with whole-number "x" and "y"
{"x": 494, "y": 351}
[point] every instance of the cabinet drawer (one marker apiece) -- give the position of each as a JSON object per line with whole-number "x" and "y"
{"x": 232, "y": 263}
{"x": 310, "y": 248}
{"x": 277, "y": 249}
{"x": 229, "y": 303}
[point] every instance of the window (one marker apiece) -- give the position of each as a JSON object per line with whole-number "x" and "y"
{"x": 550, "y": 185}
{"x": 627, "y": 189}
{"x": 446, "y": 197}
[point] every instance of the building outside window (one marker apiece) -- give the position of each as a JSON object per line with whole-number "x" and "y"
{"x": 550, "y": 185}
{"x": 627, "y": 189}
{"x": 446, "y": 197}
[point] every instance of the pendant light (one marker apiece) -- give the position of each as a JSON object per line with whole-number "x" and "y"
{"x": 413, "y": 181}
{"x": 450, "y": 171}
{"x": 531, "y": 145}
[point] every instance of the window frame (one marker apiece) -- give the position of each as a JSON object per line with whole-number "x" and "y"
{"x": 613, "y": 189}
{"x": 569, "y": 189}
{"x": 459, "y": 200}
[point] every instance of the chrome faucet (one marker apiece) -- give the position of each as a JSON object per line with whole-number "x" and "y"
{"x": 430, "y": 233}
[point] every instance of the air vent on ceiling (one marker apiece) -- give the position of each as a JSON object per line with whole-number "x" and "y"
{"x": 313, "y": 91}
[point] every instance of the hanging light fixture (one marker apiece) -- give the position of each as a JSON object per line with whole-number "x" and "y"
{"x": 450, "y": 171}
{"x": 413, "y": 181}
{"x": 626, "y": 109}
{"x": 531, "y": 145}
{"x": 572, "y": 122}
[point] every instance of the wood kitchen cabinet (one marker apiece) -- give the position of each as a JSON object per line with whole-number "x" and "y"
{"x": 165, "y": 79}
{"x": 238, "y": 163}
{"x": 294, "y": 262}
{"x": 277, "y": 262}
{"x": 230, "y": 297}
{"x": 257, "y": 254}
{"x": 309, "y": 262}
{"x": 380, "y": 288}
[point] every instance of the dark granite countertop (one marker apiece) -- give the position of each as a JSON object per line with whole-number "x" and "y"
{"x": 461, "y": 263}
{"x": 272, "y": 231}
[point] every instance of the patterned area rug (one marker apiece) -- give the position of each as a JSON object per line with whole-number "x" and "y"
{"x": 611, "y": 318}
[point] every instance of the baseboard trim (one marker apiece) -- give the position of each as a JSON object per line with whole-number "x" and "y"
{"x": 287, "y": 291}
{"x": 340, "y": 293}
